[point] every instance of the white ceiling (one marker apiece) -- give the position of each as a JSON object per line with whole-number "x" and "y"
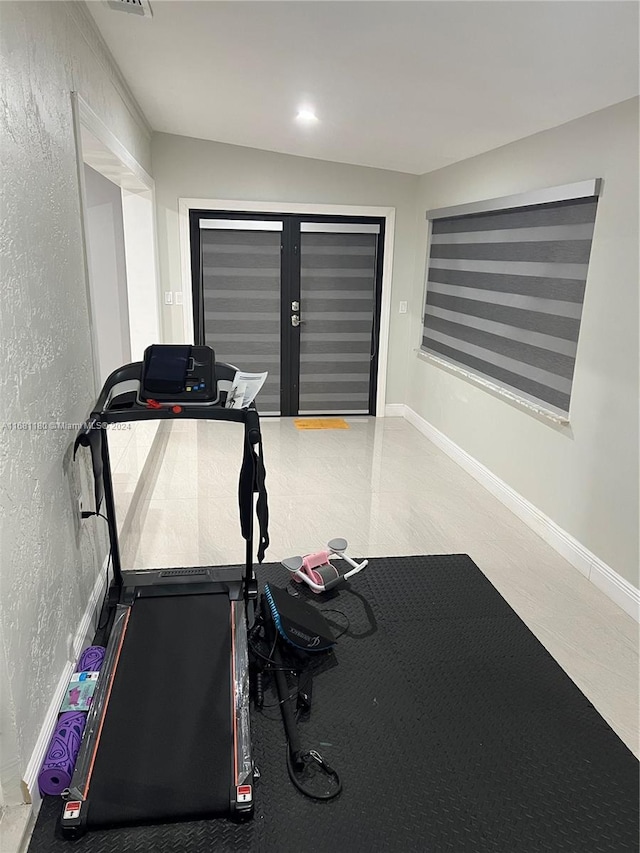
{"x": 410, "y": 86}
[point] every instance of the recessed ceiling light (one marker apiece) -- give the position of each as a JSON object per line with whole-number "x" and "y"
{"x": 306, "y": 115}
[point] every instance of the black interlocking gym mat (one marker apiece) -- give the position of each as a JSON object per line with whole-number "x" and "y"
{"x": 452, "y": 727}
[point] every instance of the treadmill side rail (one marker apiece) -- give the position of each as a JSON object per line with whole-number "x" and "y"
{"x": 242, "y": 791}
{"x": 78, "y": 790}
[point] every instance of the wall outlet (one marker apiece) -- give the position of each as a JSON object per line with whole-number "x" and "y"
{"x": 403, "y": 308}
{"x": 168, "y": 297}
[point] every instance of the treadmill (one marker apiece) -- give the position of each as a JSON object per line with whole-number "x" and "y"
{"x": 167, "y": 735}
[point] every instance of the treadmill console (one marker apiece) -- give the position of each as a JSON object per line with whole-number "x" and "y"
{"x": 178, "y": 373}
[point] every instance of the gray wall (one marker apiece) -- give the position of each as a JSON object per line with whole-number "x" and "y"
{"x": 49, "y": 563}
{"x": 584, "y": 476}
{"x": 193, "y": 168}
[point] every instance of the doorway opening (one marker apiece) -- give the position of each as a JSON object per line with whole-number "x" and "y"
{"x": 298, "y": 293}
{"x": 118, "y": 213}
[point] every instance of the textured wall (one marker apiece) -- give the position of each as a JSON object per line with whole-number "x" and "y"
{"x": 584, "y": 476}
{"x": 195, "y": 168}
{"x": 49, "y": 565}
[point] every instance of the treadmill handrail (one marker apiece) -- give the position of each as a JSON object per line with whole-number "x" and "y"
{"x": 130, "y": 376}
{"x": 252, "y": 474}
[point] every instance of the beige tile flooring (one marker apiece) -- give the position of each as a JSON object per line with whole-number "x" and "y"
{"x": 389, "y": 491}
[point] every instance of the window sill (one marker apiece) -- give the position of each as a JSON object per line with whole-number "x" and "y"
{"x": 504, "y": 394}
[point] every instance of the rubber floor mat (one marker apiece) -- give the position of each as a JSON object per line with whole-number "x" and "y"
{"x": 452, "y": 727}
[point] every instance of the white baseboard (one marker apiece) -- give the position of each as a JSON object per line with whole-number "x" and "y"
{"x": 619, "y": 590}
{"x": 81, "y": 637}
{"x": 615, "y": 587}
{"x": 394, "y": 410}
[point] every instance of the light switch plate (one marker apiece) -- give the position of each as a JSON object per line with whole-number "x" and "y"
{"x": 403, "y": 308}
{"x": 177, "y": 298}
{"x": 168, "y": 297}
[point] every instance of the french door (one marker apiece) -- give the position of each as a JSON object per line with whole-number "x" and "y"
{"x": 298, "y": 296}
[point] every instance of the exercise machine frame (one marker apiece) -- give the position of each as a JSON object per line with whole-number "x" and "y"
{"x": 119, "y": 402}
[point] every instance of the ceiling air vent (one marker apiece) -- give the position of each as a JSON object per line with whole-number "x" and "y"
{"x": 138, "y": 7}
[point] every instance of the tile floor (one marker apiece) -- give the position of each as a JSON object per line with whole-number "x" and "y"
{"x": 389, "y": 491}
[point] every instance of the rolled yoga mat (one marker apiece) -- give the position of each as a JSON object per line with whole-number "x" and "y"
{"x": 57, "y": 768}
{"x": 91, "y": 659}
{"x": 60, "y": 760}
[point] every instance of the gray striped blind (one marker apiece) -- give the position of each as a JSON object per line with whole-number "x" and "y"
{"x": 337, "y": 289}
{"x": 505, "y": 292}
{"x": 241, "y": 290}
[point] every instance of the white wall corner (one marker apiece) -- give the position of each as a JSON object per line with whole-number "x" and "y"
{"x": 81, "y": 16}
{"x": 615, "y": 587}
{"x": 81, "y": 638}
{"x": 394, "y": 410}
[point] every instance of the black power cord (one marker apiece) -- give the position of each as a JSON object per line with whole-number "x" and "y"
{"x": 307, "y": 759}
{"x": 344, "y": 629}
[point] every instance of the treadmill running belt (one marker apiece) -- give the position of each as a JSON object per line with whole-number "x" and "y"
{"x": 166, "y": 746}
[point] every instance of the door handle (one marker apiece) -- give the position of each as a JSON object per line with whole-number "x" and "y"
{"x": 296, "y": 321}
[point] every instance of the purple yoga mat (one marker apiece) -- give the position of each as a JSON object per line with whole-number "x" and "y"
{"x": 91, "y": 659}
{"x": 57, "y": 768}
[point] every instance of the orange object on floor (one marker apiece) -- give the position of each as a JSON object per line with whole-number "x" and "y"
{"x": 320, "y": 423}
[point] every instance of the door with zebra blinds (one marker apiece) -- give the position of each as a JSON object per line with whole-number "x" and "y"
{"x": 296, "y": 296}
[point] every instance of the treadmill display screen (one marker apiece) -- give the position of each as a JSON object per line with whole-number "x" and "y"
{"x": 166, "y": 369}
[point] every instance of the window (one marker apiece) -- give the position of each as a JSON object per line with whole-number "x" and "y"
{"x": 505, "y": 288}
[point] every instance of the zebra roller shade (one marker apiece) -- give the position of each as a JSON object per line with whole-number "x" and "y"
{"x": 241, "y": 293}
{"x": 337, "y": 293}
{"x": 504, "y": 296}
